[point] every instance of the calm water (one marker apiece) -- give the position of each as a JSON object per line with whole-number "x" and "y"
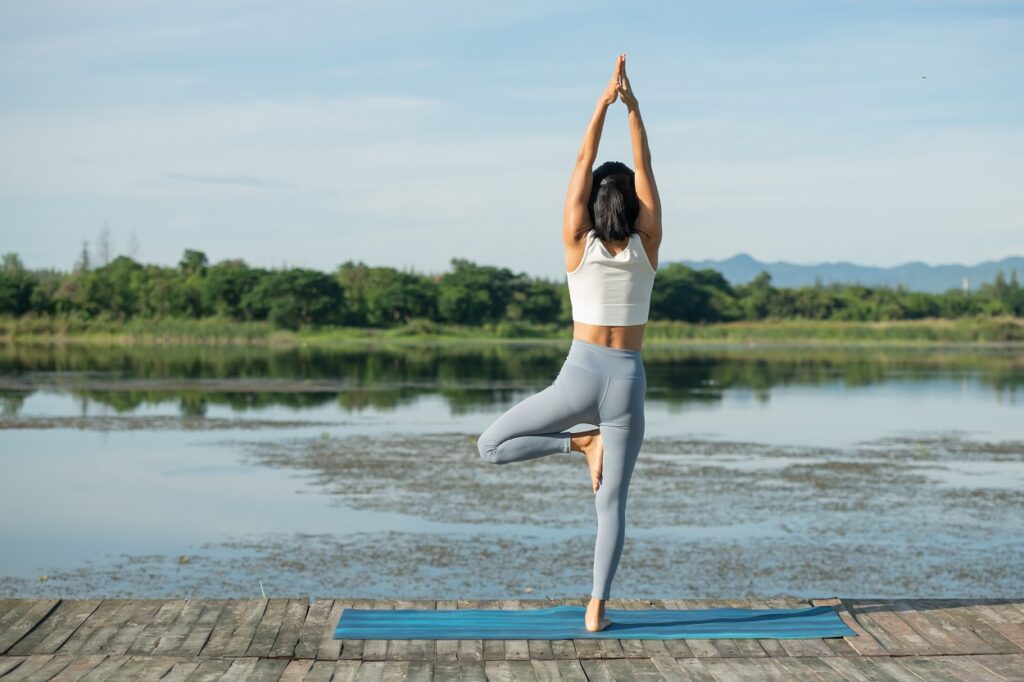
{"x": 354, "y": 473}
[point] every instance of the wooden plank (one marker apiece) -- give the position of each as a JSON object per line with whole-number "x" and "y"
{"x": 195, "y": 640}
{"x": 597, "y": 670}
{"x": 515, "y": 649}
{"x": 686, "y": 647}
{"x": 651, "y": 647}
{"x": 291, "y": 627}
{"x": 9, "y": 663}
{"x": 106, "y": 670}
{"x": 42, "y": 667}
{"x": 716, "y": 667}
{"x": 537, "y": 649}
{"x": 632, "y": 648}
{"x": 49, "y": 635}
{"x": 142, "y": 614}
{"x": 266, "y": 670}
{"x": 210, "y": 669}
{"x": 77, "y": 668}
{"x": 864, "y": 643}
{"x": 707, "y": 648}
{"x": 146, "y": 667}
{"x": 670, "y": 669}
{"x": 807, "y": 668}
{"x": 760, "y": 668}
{"x": 585, "y": 648}
{"x": 398, "y": 649}
{"x": 239, "y": 670}
{"x": 804, "y": 648}
{"x": 376, "y": 649}
{"x": 860, "y": 668}
{"x": 419, "y": 671}
{"x": 266, "y": 632}
{"x": 930, "y": 630}
{"x": 563, "y": 649}
{"x": 558, "y": 670}
{"x": 316, "y": 623}
{"x": 898, "y": 638}
{"x": 643, "y": 669}
{"x": 930, "y": 668}
{"x": 295, "y": 670}
{"x": 159, "y": 626}
{"x": 353, "y": 648}
{"x": 105, "y": 612}
{"x": 1005, "y": 665}
{"x": 472, "y": 649}
{"x": 394, "y": 671}
{"x": 240, "y": 616}
{"x": 494, "y": 649}
{"x": 99, "y": 640}
{"x": 182, "y": 670}
{"x": 23, "y": 621}
{"x": 345, "y": 671}
{"x": 330, "y": 648}
{"x": 446, "y": 650}
{"x": 1007, "y": 628}
{"x": 964, "y": 640}
{"x": 172, "y": 638}
{"x": 370, "y": 671}
{"x": 699, "y": 669}
{"x": 969, "y": 670}
{"x": 320, "y": 671}
{"x": 962, "y": 615}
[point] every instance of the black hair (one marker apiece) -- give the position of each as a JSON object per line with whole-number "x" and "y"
{"x": 613, "y": 204}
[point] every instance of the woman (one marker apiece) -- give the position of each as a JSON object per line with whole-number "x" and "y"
{"x": 612, "y": 231}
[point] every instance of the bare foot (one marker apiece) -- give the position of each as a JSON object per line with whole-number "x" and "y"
{"x": 595, "y": 621}
{"x": 591, "y": 445}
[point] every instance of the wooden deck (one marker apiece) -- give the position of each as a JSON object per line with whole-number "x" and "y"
{"x": 290, "y": 639}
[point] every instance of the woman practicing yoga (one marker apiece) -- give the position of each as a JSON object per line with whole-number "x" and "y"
{"x": 611, "y": 230}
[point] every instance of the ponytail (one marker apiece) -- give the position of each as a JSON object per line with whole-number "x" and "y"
{"x": 611, "y": 222}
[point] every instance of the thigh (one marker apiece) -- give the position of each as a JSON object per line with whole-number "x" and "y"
{"x": 572, "y": 399}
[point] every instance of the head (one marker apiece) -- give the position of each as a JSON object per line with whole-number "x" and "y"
{"x": 613, "y": 203}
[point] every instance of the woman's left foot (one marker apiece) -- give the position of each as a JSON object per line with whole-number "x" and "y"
{"x": 592, "y": 446}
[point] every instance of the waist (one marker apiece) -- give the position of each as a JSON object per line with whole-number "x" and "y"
{"x": 616, "y": 362}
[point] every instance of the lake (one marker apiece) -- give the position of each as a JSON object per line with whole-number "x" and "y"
{"x": 353, "y": 472}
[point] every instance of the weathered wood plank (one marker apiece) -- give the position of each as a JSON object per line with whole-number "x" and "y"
{"x": 106, "y": 670}
{"x": 42, "y": 667}
{"x": 494, "y": 649}
{"x": 376, "y": 649}
{"x": 210, "y": 669}
{"x": 687, "y": 648}
{"x": 78, "y": 668}
{"x": 537, "y": 649}
{"x": 266, "y": 670}
{"x": 295, "y": 670}
{"x": 23, "y": 621}
{"x": 142, "y": 614}
{"x": 898, "y": 638}
{"x": 241, "y": 617}
{"x": 170, "y": 640}
{"x": 313, "y": 628}
{"x": 962, "y": 617}
{"x": 145, "y": 667}
{"x": 50, "y": 634}
{"x": 369, "y": 649}
{"x": 515, "y": 649}
{"x": 239, "y": 670}
{"x": 195, "y": 640}
{"x": 330, "y": 648}
{"x": 585, "y": 648}
{"x": 471, "y": 649}
{"x": 864, "y": 643}
{"x": 270, "y": 625}
{"x": 291, "y": 627}
{"x": 94, "y": 621}
{"x": 789, "y": 647}
{"x": 446, "y": 650}
{"x": 159, "y": 626}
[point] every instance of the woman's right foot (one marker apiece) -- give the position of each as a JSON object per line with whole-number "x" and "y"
{"x": 591, "y": 445}
{"x": 594, "y": 620}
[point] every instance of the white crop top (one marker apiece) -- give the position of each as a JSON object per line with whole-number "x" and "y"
{"x": 611, "y": 290}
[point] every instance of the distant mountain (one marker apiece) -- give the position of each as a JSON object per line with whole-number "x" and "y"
{"x": 915, "y": 276}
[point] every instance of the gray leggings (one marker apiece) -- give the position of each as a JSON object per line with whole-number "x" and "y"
{"x": 596, "y": 385}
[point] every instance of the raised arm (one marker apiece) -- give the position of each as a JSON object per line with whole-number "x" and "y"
{"x": 648, "y": 222}
{"x": 576, "y": 216}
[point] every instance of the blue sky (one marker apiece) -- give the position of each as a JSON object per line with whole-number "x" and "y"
{"x": 409, "y": 133}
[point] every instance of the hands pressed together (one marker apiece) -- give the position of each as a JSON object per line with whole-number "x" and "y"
{"x": 618, "y": 86}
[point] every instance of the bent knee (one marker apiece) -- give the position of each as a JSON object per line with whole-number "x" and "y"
{"x": 488, "y": 450}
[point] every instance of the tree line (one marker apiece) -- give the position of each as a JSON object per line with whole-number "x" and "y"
{"x": 356, "y": 294}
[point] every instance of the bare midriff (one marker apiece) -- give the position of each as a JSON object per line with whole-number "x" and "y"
{"x": 626, "y": 338}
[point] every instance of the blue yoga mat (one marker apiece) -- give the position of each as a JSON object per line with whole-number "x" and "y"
{"x": 566, "y": 622}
